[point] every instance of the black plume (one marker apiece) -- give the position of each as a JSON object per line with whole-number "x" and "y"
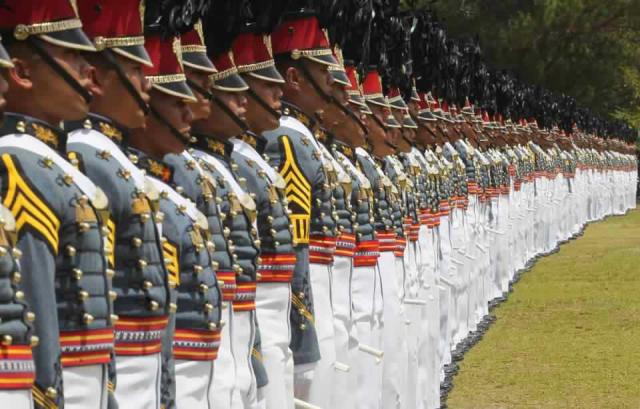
{"x": 225, "y": 21}
{"x": 267, "y": 14}
{"x": 173, "y": 17}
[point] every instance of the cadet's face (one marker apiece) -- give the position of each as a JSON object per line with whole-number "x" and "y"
{"x": 413, "y": 108}
{"x": 174, "y": 110}
{"x": 321, "y": 76}
{"x": 63, "y": 102}
{"x": 219, "y": 121}
{"x": 259, "y": 119}
{"x": 119, "y": 104}
{"x": 202, "y": 108}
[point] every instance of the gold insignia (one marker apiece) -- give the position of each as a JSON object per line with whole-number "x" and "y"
{"x": 321, "y": 135}
{"x": 141, "y": 9}
{"x": 267, "y": 43}
{"x": 177, "y": 50}
{"x": 110, "y": 242}
{"x": 216, "y": 146}
{"x": 198, "y": 28}
{"x": 298, "y": 192}
{"x": 156, "y": 168}
{"x": 170, "y": 254}
{"x": 28, "y": 208}
{"x": 45, "y": 134}
{"x": 110, "y": 131}
{"x": 249, "y": 139}
{"x": 303, "y": 118}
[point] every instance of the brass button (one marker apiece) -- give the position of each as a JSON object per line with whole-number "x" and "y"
{"x": 51, "y": 393}
{"x": 30, "y": 316}
{"x": 7, "y": 340}
{"x": 17, "y": 254}
{"x": 87, "y": 318}
{"x": 83, "y": 295}
{"x": 71, "y": 251}
{"x": 212, "y": 326}
{"x": 113, "y": 295}
{"x": 153, "y": 305}
{"x": 3, "y": 251}
{"x": 197, "y": 269}
{"x": 142, "y": 263}
{"x": 147, "y": 285}
{"x": 208, "y": 307}
{"x": 104, "y": 230}
{"x": 114, "y": 318}
{"x": 16, "y": 277}
{"x": 34, "y": 341}
{"x": 84, "y": 227}
{"x": 173, "y": 307}
{"x": 204, "y": 288}
{"x": 136, "y": 242}
{"x": 19, "y": 295}
{"x": 109, "y": 273}
{"x": 303, "y": 327}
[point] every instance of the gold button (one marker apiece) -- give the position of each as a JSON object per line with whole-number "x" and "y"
{"x": 204, "y": 288}
{"x": 147, "y": 285}
{"x": 34, "y": 341}
{"x": 51, "y": 393}
{"x": 7, "y": 340}
{"x": 257, "y": 242}
{"x": 142, "y": 263}
{"x": 16, "y": 277}
{"x": 144, "y": 217}
{"x": 84, "y": 227}
{"x": 83, "y": 295}
{"x": 30, "y": 316}
{"x": 173, "y": 307}
{"x": 110, "y": 273}
{"x": 136, "y": 241}
{"x": 303, "y": 327}
{"x": 104, "y": 230}
{"x": 212, "y": 326}
{"x": 114, "y": 318}
{"x": 215, "y": 265}
{"x": 258, "y": 276}
{"x": 208, "y": 307}
{"x": 19, "y": 295}
{"x": 113, "y": 295}
{"x": 87, "y": 318}
{"x": 270, "y": 219}
{"x": 71, "y": 251}
{"x": 301, "y": 295}
{"x": 211, "y": 246}
{"x": 3, "y": 251}
{"x": 17, "y": 254}
{"x": 153, "y": 305}
{"x": 197, "y": 269}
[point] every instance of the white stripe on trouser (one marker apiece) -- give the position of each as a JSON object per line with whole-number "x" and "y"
{"x": 394, "y": 336}
{"x": 84, "y": 387}
{"x": 413, "y": 321}
{"x": 313, "y": 382}
{"x": 446, "y": 316}
{"x": 16, "y": 399}
{"x": 245, "y": 391}
{"x": 138, "y": 380}
{"x": 225, "y": 375}
{"x": 194, "y": 379}
{"x": 272, "y": 308}
{"x": 345, "y": 382}
{"x": 363, "y": 285}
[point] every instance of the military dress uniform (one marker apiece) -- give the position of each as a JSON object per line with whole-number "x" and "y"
{"x": 253, "y": 57}
{"x": 60, "y": 235}
{"x": 238, "y": 214}
{"x": 189, "y": 254}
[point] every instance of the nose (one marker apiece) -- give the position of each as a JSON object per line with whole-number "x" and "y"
{"x": 187, "y": 114}
{"x": 242, "y": 100}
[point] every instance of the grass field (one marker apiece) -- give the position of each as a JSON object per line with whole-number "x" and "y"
{"x": 569, "y": 335}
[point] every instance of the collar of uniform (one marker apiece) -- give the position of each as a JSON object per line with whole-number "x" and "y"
{"x": 324, "y": 136}
{"x": 213, "y": 145}
{"x": 102, "y": 124}
{"x": 258, "y": 142}
{"x": 153, "y": 167}
{"x": 53, "y": 136}
{"x": 344, "y": 149}
{"x": 289, "y": 109}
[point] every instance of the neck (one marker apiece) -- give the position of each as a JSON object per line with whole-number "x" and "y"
{"x": 155, "y": 142}
{"x": 301, "y": 102}
{"x": 34, "y": 112}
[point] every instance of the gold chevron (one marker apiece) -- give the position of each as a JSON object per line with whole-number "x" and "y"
{"x": 111, "y": 243}
{"x": 41, "y": 400}
{"x": 170, "y": 253}
{"x": 298, "y": 191}
{"x": 27, "y": 207}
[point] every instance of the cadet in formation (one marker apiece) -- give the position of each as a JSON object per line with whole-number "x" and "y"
{"x": 268, "y": 205}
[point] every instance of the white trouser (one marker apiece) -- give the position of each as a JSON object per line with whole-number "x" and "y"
{"x": 313, "y": 384}
{"x": 272, "y": 308}
{"x": 225, "y": 375}
{"x": 245, "y": 391}
{"x": 194, "y": 379}
{"x": 16, "y": 399}
{"x": 363, "y": 284}
{"x": 394, "y": 336}
{"x": 345, "y": 380}
{"x": 139, "y": 381}
{"x": 85, "y": 387}
{"x": 446, "y": 310}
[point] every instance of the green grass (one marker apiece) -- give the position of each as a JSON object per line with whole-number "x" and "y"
{"x": 569, "y": 335}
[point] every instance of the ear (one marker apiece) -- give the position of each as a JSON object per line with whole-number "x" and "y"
{"x": 20, "y": 74}
{"x": 97, "y": 81}
{"x": 293, "y": 78}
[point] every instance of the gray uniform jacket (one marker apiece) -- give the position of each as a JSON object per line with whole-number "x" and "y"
{"x": 64, "y": 270}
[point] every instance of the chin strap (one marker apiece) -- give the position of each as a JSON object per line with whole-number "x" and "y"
{"x": 263, "y": 103}
{"x": 349, "y": 113}
{"x": 182, "y": 137}
{"x": 59, "y": 69}
{"x": 314, "y": 84}
{"x": 113, "y": 64}
{"x": 211, "y": 97}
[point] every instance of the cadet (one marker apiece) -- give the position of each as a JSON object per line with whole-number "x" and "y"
{"x": 237, "y": 208}
{"x": 141, "y": 281}
{"x": 252, "y": 51}
{"x": 59, "y": 212}
{"x": 187, "y": 249}
{"x": 303, "y": 57}
{"x": 16, "y": 339}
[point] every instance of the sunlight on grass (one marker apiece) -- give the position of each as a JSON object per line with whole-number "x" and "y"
{"x": 569, "y": 336}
